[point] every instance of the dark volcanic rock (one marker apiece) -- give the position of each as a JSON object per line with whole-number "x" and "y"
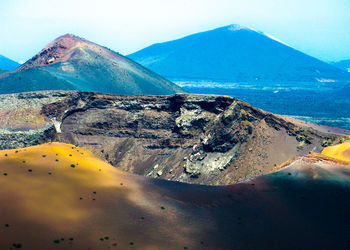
{"x": 190, "y": 138}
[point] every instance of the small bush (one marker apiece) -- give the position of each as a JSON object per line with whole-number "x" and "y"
{"x": 17, "y": 245}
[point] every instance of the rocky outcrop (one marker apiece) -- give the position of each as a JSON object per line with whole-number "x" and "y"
{"x": 212, "y": 140}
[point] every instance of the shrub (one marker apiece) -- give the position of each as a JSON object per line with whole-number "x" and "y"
{"x": 17, "y": 245}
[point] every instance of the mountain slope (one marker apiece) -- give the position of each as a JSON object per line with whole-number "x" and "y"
{"x": 73, "y": 63}
{"x": 59, "y": 196}
{"x": 235, "y": 53}
{"x": 344, "y": 65}
{"x": 7, "y": 64}
{"x": 212, "y": 140}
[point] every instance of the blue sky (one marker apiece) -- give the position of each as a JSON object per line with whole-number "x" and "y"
{"x": 320, "y": 28}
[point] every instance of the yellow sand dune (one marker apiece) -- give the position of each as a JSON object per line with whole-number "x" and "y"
{"x": 58, "y": 196}
{"x": 340, "y": 152}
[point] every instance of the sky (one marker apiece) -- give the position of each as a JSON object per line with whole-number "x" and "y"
{"x": 320, "y": 28}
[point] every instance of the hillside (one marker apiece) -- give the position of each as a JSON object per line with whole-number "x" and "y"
{"x": 235, "y": 54}
{"x": 7, "y": 64}
{"x": 344, "y": 65}
{"x": 59, "y": 196}
{"x": 203, "y": 139}
{"x": 73, "y": 63}
{"x": 340, "y": 151}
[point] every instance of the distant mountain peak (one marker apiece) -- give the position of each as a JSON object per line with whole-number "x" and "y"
{"x": 235, "y": 27}
{"x": 235, "y": 53}
{"x": 7, "y": 64}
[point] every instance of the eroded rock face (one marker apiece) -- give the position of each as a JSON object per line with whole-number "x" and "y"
{"x": 211, "y": 140}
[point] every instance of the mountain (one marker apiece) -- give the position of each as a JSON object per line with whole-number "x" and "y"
{"x": 344, "y": 65}
{"x": 60, "y": 196}
{"x": 73, "y": 63}
{"x": 199, "y": 139}
{"x": 237, "y": 54}
{"x": 7, "y": 64}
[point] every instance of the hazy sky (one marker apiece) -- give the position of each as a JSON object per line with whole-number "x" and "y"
{"x": 320, "y": 28}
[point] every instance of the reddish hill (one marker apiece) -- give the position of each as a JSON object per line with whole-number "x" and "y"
{"x": 73, "y": 63}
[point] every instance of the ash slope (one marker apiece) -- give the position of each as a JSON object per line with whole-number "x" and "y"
{"x": 236, "y": 54}
{"x": 213, "y": 140}
{"x": 87, "y": 203}
{"x": 73, "y": 63}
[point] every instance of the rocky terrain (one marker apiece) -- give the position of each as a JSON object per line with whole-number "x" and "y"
{"x": 73, "y": 63}
{"x": 213, "y": 140}
{"x": 59, "y": 196}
